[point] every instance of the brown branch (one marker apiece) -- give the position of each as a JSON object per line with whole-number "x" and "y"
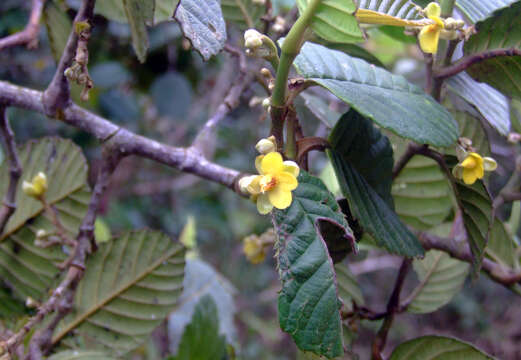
{"x": 393, "y": 306}
{"x": 15, "y": 169}
{"x": 57, "y": 95}
{"x": 467, "y": 61}
{"x": 29, "y": 35}
{"x": 186, "y": 160}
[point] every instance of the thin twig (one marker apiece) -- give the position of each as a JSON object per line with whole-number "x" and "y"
{"x": 412, "y": 149}
{"x": 393, "y": 307}
{"x": 467, "y": 61}
{"x": 15, "y": 169}
{"x": 29, "y": 35}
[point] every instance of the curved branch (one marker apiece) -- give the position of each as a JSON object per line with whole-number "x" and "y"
{"x": 467, "y": 61}
{"x": 29, "y": 35}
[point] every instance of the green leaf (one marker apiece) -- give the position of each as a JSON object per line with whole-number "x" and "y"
{"x": 138, "y": 13}
{"x": 362, "y": 158}
{"x": 492, "y": 105}
{"x": 441, "y": 278}
{"x": 403, "y": 9}
{"x": 500, "y": 31}
{"x": 422, "y": 194}
{"x": 130, "y": 285}
{"x": 164, "y": 10}
{"x": 28, "y": 269}
{"x": 10, "y": 308}
{"x": 201, "y": 339}
{"x": 437, "y": 347}
{"x": 58, "y": 27}
{"x": 475, "y": 204}
{"x": 348, "y": 288}
{"x": 387, "y": 99}
{"x": 112, "y": 10}
{"x": 334, "y": 21}
{"x": 477, "y": 10}
{"x": 242, "y": 12}
{"x": 80, "y": 355}
{"x": 314, "y": 107}
{"x": 202, "y": 22}
{"x": 501, "y": 246}
{"x": 471, "y": 128}
{"x": 308, "y": 303}
{"x": 355, "y": 51}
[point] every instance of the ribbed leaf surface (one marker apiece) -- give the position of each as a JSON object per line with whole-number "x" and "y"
{"x": 387, "y": 99}
{"x": 242, "y": 12}
{"x": 30, "y": 270}
{"x": 130, "y": 285}
{"x": 437, "y": 348}
{"x": 363, "y": 163}
{"x": 500, "y": 31}
{"x": 80, "y": 355}
{"x": 422, "y": 194}
{"x": 334, "y": 21}
{"x": 403, "y": 9}
{"x": 308, "y": 302}
{"x": 477, "y": 10}
{"x": 441, "y": 278}
{"x": 488, "y": 101}
{"x": 202, "y": 22}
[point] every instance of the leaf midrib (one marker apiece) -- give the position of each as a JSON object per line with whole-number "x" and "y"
{"x": 147, "y": 271}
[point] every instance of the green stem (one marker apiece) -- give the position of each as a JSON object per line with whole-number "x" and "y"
{"x": 447, "y": 7}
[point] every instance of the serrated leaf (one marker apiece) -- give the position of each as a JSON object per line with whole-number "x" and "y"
{"x": 362, "y": 158}
{"x": 441, "y": 278}
{"x": 80, "y": 355}
{"x": 492, "y": 105}
{"x": 30, "y": 270}
{"x": 403, "y": 9}
{"x": 437, "y": 347}
{"x": 387, "y": 99}
{"x": 477, "y": 10}
{"x": 138, "y": 12}
{"x": 422, "y": 194}
{"x": 334, "y": 20}
{"x": 500, "y": 31}
{"x": 58, "y": 27}
{"x": 475, "y": 204}
{"x": 244, "y": 13}
{"x": 201, "y": 339}
{"x": 308, "y": 303}
{"x": 202, "y": 22}
{"x": 130, "y": 285}
{"x": 348, "y": 288}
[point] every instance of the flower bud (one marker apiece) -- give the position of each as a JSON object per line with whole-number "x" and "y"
{"x": 253, "y": 249}
{"x": 259, "y": 2}
{"x": 279, "y": 25}
{"x": 266, "y": 103}
{"x": 252, "y": 39}
{"x": 244, "y": 182}
{"x": 41, "y": 234}
{"x": 265, "y": 146}
{"x": 37, "y": 187}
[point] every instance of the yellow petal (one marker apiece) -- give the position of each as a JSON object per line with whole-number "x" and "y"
{"x": 258, "y": 161}
{"x": 264, "y": 205}
{"x": 429, "y": 38}
{"x": 438, "y": 21}
{"x": 280, "y": 198}
{"x": 272, "y": 163}
{"x": 489, "y": 164}
{"x": 469, "y": 162}
{"x": 469, "y": 176}
{"x": 291, "y": 167}
{"x": 254, "y": 185}
{"x": 433, "y": 9}
{"x": 479, "y": 171}
{"x": 287, "y": 181}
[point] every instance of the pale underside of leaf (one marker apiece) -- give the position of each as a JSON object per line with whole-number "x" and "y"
{"x": 403, "y": 9}
{"x": 477, "y": 10}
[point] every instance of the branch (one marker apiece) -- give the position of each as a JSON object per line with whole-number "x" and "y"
{"x": 467, "y": 61}
{"x": 186, "y": 160}
{"x": 15, "y": 169}
{"x": 412, "y": 149}
{"x": 393, "y": 306}
{"x": 57, "y": 95}
{"x": 29, "y": 35}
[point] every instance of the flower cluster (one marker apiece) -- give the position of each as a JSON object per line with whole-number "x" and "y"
{"x": 276, "y": 180}
{"x": 471, "y": 166}
{"x": 37, "y": 187}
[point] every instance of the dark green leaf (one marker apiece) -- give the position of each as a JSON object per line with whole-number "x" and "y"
{"x": 244, "y": 13}
{"x": 334, "y": 21}
{"x": 500, "y": 31}
{"x": 437, "y": 348}
{"x": 477, "y": 10}
{"x": 138, "y": 13}
{"x": 58, "y": 27}
{"x": 487, "y": 100}
{"x": 362, "y": 158}
{"x": 387, "y": 99}
{"x": 308, "y": 302}
{"x": 311, "y": 106}
{"x": 112, "y": 10}
{"x": 471, "y": 128}
{"x": 201, "y": 339}
{"x": 348, "y": 288}
{"x": 130, "y": 285}
{"x": 202, "y": 22}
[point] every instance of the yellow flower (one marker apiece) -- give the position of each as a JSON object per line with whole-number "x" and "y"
{"x": 37, "y": 187}
{"x": 272, "y": 188}
{"x": 430, "y": 34}
{"x": 473, "y": 167}
{"x": 253, "y": 248}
